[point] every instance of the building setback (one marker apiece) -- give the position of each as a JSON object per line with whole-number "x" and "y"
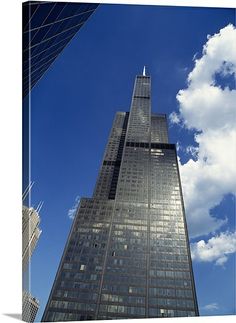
{"x": 47, "y": 28}
{"x": 127, "y": 254}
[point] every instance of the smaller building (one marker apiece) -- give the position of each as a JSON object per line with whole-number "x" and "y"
{"x": 30, "y": 233}
{"x": 30, "y": 306}
{"x": 30, "y": 236}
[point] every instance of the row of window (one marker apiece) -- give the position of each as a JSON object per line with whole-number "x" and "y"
{"x": 80, "y": 286}
{"x": 157, "y": 312}
{"x": 169, "y": 292}
{"x": 166, "y": 229}
{"x": 159, "y": 205}
{"x": 128, "y": 240}
{"x": 167, "y": 257}
{"x": 131, "y": 219}
{"x": 171, "y": 265}
{"x": 176, "y": 283}
{"x": 170, "y": 222}
{"x": 80, "y": 277}
{"x": 88, "y": 296}
{"x": 128, "y": 310}
{"x": 95, "y": 237}
{"x": 139, "y": 263}
{"x": 169, "y": 273}
{"x": 130, "y": 227}
{"x": 170, "y": 250}
{"x": 156, "y": 215}
{"x": 165, "y": 240}
{"x": 95, "y": 210}
{"x": 87, "y": 244}
{"x": 123, "y": 299}
{"x": 172, "y": 302}
{"x": 95, "y": 204}
{"x": 122, "y": 279}
{"x": 125, "y": 270}
{"x": 124, "y": 289}
{"x": 173, "y": 222}
{"x": 73, "y": 306}
{"x": 130, "y": 247}
{"x": 138, "y": 234}
{"x": 62, "y": 316}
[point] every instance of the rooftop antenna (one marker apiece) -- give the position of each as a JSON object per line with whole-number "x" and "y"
{"x": 39, "y": 207}
{"x": 27, "y": 190}
{"x": 144, "y": 70}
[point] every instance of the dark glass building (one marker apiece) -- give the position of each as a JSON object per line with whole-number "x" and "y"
{"x": 127, "y": 255}
{"x": 47, "y": 28}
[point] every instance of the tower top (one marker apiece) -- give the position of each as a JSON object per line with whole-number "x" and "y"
{"x": 144, "y": 70}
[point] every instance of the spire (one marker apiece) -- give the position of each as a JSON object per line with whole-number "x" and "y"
{"x": 144, "y": 70}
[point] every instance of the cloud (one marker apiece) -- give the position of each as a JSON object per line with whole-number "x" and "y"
{"x": 209, "y": 108}
{"x": 174, "y": 118}
{"x": 211, "y": 307}
{"x": 217, "y": 249}
{"x": 178, "y": 146}
{"x": 72, "y": 211}
{"x": 192, "y": 150}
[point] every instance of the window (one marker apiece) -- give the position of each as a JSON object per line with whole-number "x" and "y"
{"x": 67, "y": 266}
{"x": 121, "y": 309}
{"x": 82, "y": 267}
{"x": 163, "y": 312}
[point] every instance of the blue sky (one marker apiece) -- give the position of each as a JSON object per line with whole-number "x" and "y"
{"x": 73, "y": 106}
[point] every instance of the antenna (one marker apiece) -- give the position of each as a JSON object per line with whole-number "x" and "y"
{"x": 144, "y": 70}
{"x": 39, "y": 207}
{"x": 27, "y": 190}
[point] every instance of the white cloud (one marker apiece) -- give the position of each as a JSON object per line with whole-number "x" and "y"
{"x": 72, "y": 211}
{"x": 211, "y": 307}
{"x": 178, "y": 146}
{"x": 217, "y": 249}
{"x": 192, "y": 150}
{"x": 210, "y": 110}
{"x": 174, "y": 118}
{"x": 219, "y": 49}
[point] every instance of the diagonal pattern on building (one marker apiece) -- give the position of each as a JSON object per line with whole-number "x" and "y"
{"x": 127, "y": 255}
{"x": 48, "y": 27}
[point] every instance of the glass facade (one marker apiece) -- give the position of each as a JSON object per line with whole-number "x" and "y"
{"x": 47, "y": 28}
{"x": 127, "y": 255}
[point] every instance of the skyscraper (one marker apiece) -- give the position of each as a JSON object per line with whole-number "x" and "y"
{"x": 47, "y": 28}
{"x": 127, "y": 255}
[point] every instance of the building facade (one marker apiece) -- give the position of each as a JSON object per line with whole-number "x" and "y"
{"x": 30, "y": 236}
{"x": 29, "y": 308}
{"x": 47, "y": 28}
{"x": 127, "y": 254}
{"x": 30, "y": 233}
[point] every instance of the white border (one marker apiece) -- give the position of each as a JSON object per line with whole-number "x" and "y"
{"x": 10, "y": 160}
